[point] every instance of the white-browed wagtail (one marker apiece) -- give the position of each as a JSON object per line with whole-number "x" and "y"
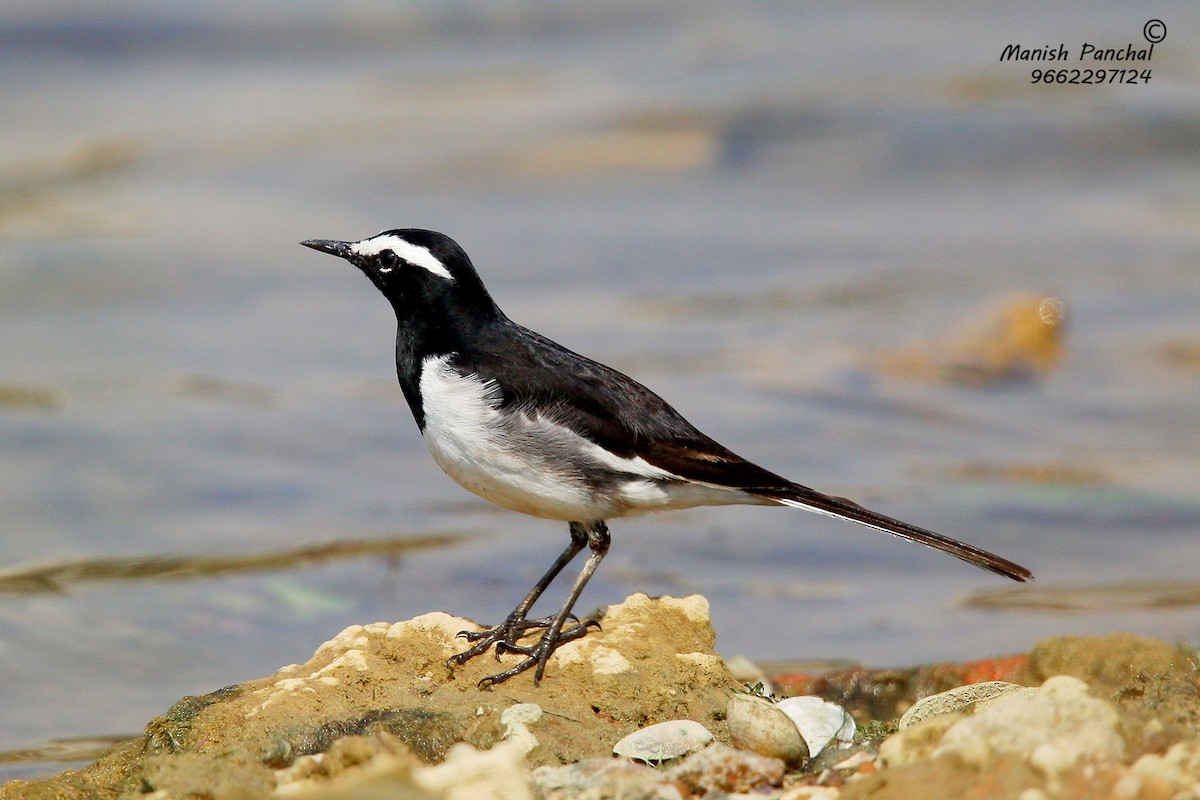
{"x": 526, "y": 423}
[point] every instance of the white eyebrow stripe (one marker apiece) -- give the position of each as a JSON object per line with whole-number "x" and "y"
{"x": 412, "y": 253}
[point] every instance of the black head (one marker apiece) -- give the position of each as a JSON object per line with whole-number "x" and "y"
{"x": 417, "y": 271}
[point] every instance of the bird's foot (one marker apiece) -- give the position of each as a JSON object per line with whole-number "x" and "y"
{"x": 507, "y": 633}
{"x": 505, "y": 638}
{"x": 537, "y": 655}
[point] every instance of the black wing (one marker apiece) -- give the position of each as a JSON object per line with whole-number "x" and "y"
{"x": 607, "y": 407}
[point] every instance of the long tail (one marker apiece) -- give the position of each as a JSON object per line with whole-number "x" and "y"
{"x": 802, "y": 497}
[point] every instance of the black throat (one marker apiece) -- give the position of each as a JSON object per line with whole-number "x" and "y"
{"x": 439, "y": 329}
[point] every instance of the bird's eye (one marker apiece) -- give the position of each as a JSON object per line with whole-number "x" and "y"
{"x": 388, "y": 260}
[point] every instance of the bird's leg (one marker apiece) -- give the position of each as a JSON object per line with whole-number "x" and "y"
{"x": 538, "y": 654}
{"x": 514, "y": 627}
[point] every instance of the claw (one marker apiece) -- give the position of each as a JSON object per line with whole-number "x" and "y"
{"x": 504, "y": 638}
{"x": 505, "y": 647}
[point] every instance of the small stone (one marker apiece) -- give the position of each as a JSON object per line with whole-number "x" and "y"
{"x": 758, "y": 725}
{"x": 516, "y": 720}
{"x": 719, "y": 768}
{"x": 664, "y": 741}
{"x": 597, "y": 778}
{"x": 847, "y": 759}
{"x": 820, "y": 722}
{"x": 858, "y": 761}
{"x": 521, "y": 714}
{"x": 1053, "y": 730}
{"x": 966, "y": 700}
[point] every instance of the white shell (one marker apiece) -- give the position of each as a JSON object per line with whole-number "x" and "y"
{"x": 664, "y": 741}
{"x": 821, "y": 723}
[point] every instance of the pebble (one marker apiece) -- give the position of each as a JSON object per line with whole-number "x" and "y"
{"x": 720, "y": 768}
{"x": 602, "y": 778}
{"x": 820, "y": 722}
{"x": 516, "y": 721}
{"x": 521, "y": 714}
{"x": 758, "y": 725}
{"x": 663, "y": 741}
{"x": 1058, "y": 727}
{"x": 967, "y": 699}
{"x": 715, "y": 771}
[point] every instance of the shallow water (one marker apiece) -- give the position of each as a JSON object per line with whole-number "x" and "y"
{"x": 742, "y": 206}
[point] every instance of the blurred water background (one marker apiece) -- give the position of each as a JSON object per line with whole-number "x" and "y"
{"x": 748, "y": 206}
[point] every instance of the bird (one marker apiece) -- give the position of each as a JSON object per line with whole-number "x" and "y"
{"x": 529, "y": 425}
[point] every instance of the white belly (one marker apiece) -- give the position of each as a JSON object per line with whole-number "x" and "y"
{"x": 472, "y": 444}
{"x": 532, "y": 464}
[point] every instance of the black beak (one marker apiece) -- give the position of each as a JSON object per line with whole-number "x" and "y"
{"x": 339, "y": 249}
